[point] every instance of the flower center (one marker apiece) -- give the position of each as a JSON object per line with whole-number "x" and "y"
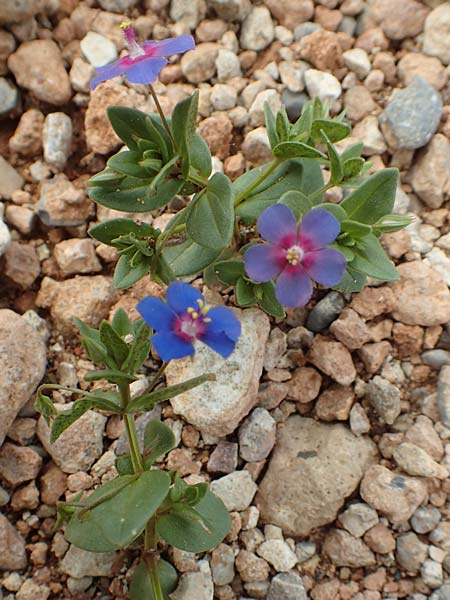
{"x": 294, "y": 255}
{"x": 190, "y": 326}
{"x": 129, "y": 34}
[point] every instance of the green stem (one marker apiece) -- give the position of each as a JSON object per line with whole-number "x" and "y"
{"x": 197, "y": 179}
{"x": 155, "y": 379}
{"x": 135, "y": 453}
{"x": 264, "y": 175}
{"x": 161, "y": 113}
{"x": 320, "y": 191}
{"x": 152, "y": 558}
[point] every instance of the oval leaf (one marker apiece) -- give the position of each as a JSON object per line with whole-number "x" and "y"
{"x": 141, "y": 583}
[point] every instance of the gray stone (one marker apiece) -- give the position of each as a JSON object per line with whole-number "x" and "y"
{"x": 80, "y": 563}
{"x": 325, "y": 312}
{"x": 287, "y": 586}
{"x": 432, "y": 574}
{"x": 436, "y": 358}
{"x": 57, "y": 139}
{"x": 443, "y": 395}
{"x": 10, "y": 179}
{"x": 198, "y": 585}
{"x": 118, "y": 6}
{"x": 425, "y": 519}
{"x": 257, "y": 30}
{"x": 141, "y": 423}
{"x": 12, "y": 546}
{"x": 222, "y": 564}
{"x": 278, "y": 554}
{"x": 359, "y": 421}
{"x": 188, "y": 13}
{"x": 415, "y": 461}
{"x": 236, "y": 490}
{"x": 227, "y": 65}
{"x": 22, "y": 366}
{"x": 384, "y": 398}
{"x": 358, "y": 518}
{"x": 305, "y": 29}
{"x": 403, "y": 122}
{"x": 305, "y": 551}
{"x": 309, "y": 475}
{"x": 410, "y": 552}
{"x": 436, "y": 31}
{"x": 217, "y": 407}
{"x": 30, "y": 590}
{"x": 9, "y": 97}
{"x": 257, "y": 435}
{"x": 231, "y": 10}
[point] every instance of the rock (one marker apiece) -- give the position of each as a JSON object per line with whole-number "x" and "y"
{"x": 423, "y": 434}
{"x": 27, "y": 138}
{"x": 443, "y": 395}
{"x": 227, "y": 65}
{"x": 384, "y": 398}
{"x": 411, "y": 552}
{"x": 278, "y": 554}
{"x": 22, "y": 366}
{"x": 334, "y": 404}
{"x": 359, "y": 421}
{"x": 357, "y": 60}
{"x": 5, "y": 238}
{"x": 325, "y": 312}
{"x": 198, "y": 585}
{"x": 88, "y": 298}
{"x": 25, "y": 498}
{"x": 38, "y": 66}
{"x": 380, "y": 539}
{"x": 402, "y": 120}
{"x": 275, "y": 348}
{"x": 217, "y": 407}
{"x": 33, "y": 591}
{"x": 367, "y": 132}
{"x": 358, "y": 518}
{"x": 224, "y": 458}
{"x": 322, "y": 85}
{"x": 18, "y": 464}
{"x": 250, "y": 567}
{"x": 403, "y": 19}
{"x": 333, "y": 359}
{"x": 432, "y": 574}
{"x": 79, "y": 446}
{"x": 304, "y": 386}
{"x": 430, "y": 173}
{"x": 81, "y": 74}
{"x": 294, "y": 102}
{"x": 373, "y": 301}
{"x": 358, "y": 103}
{"x": 217, "y": 131}
{"x": 61, "y": 204}
{"x": 415, "y": 64}
{"x": 20, "y": 217}
{"x": 222, "y": 564}
{"x": 57, "y": 139}
{"x": 440, "y": 536}
{"x": 188, "y": 13}
{"x": 425, "y": 519}
{"x": 53, "y": 484}
{"x": 291, "y": 13}
{"x": 223, "y": 97}
{"x": 10, "y": 179}
{"x": 256, "y": 110}
{"x": 344, "y": 550}
{"x": 231, "y": 10}
{"x": 12, "y": 11}
{"x": 292, "y": 74}
{"x": 98, "y": 49}
{"x": 13, "y": 555}
{"x": 287, "y": 586}
{"x": 322, "y": 49}
{"x": 9, "y": 97}
{"x": 308, "y": 477}
{"x": 257, "y": 30}
{"x": 200, "y": 64}
{"x": 257, "y": 435}
{"x": 415, "y": 461}
{"x": 76, "y": 256}
{"x": 236, "y": 490}
{"x": 351, "y": 330}
{"x": 80, "y": 563}
{"x": 394, "y": 495}
{"x": 437, "y": 26}
{"x": 422, "y": 296}
{"x": 21, "y": 264}
{"x": 256, "y": 146}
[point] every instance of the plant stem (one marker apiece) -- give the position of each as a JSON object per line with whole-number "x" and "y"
{"x": 270, "y": 168}
{"x": 161, "y": 113}
{"x": 320, "y": 191}
{"x": 155, "y": 379}
{"x": 152, "y": 558}
{"x": 135, "y": 453}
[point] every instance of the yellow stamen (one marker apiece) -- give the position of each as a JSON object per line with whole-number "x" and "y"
{"x": 207, "y": 320}
{"x": 190, "y": 310}
{"x": 194, "y": 315}
{"x": 125, "y": 24}
{"x": 200, "y": 303}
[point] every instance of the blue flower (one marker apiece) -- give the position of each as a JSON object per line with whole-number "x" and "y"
{"x": 184, "y": 319}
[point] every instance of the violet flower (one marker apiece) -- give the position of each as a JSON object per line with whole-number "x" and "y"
{"x": 144, "y": 61}
{"x": 186, "y": 318}
{"x": 295, "y": 254}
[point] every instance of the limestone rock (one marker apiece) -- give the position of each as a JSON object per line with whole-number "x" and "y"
{"x": 429, "y": 68}
{"x": 81, "y": 563}
{"x": 22, "y": 365}
{"x": 257, "y": 435}
{"x": 217, "y": 407}
{"x": 57, "y": 139}
{"x": 200, "y": 64}
{"x": 257, "y": 30}
{"x": 309, "y": 475}
{"x": 198, "y": 585}
{"x": 430, "y": 174}
{"x": 236, "y": 490}
{"x": 61, "y": 204}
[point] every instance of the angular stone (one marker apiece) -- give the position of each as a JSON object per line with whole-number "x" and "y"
{"x": 291, "y": 13}
{"x": 22, "y": 366}
{"x": 427, "y": 67}
{"x": 322, "y": 49}
{"x": 10, "y": 179}
{"x": 394, "y": 495}
{"x": 222, "y": 564}
{"x": 309, "y": 475}
{"x": 430, "y": 174}
{"x": 415, "y": 461}
{"x": 98, "y": 49}
{"x": 61, "y": 204}
{"x": 21, "y": 264}
{"x": 257, "y": 435}
{"x": 224, "y": 458}
{"x": 287, "y": 586}
{"x": 77, "y": 256}
{"x": 351, "y": 330}
{"x": 80, "y": 563}
{"x": 236, "y": 490}
{"x": 231, "y": 10}
{"x": 384, "y": 398}
{"x": 344, "y": 550}
{"x": 334, "y": 404}
{"x": 198, "y": 585}
{"x": 435, "y": 39}
{"x": 278, "y": 554}
{"x": 27, "y": 138}
{"x": 304, "y": 386}
{"x": 217, "y": 407}
{"x": 423, "y": 434}
{"x": 411, "y": 552}
{"x": 399, "y": 20}
{"x": 257, "y": 30}
{"x": 358, "y": 518}
{"x": 200, "y": 64}
{"x": 18, "y": 464}
{"x": 13, "y": 555}
{"x": 333, "y": 359}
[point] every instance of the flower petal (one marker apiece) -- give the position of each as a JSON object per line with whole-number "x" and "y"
{"x": 145, "y": 69}
{"x": 317, "y": 229}
{"x": 224, "y": 320}
{"x": 114, "y": 69}
{"x": 263, "y": 262}
{"x": 169, "y": 346}
{"x": 293, "y": 288}
{"x": 219, "y": 342}
{"x": 326, "y": 266}
{"x": 170, "y": 46}
{"x": 156, "y": 313}
{"x": 180, "y": 296}
{"x": 277, "y": 225}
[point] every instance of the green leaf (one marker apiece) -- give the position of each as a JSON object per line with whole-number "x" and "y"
{"x": 183, "y": 532}
{"x": 355, "y": 229}
{"x": 390, "y": 223}
{"x": 188, "y": 257}
{"x": 245, "y": 293}
{"x": 200, "y": 155}
{"x": 129, "y": 124}
{"x": 158, "y": 439}
{"x": 109, "y": 231}
{"x": 141, "y": 583}
{"x": 352, "y": 281}
{"x": 336, "y": 168}
{"x": 297, "y": 202}
{"x": 121, "y": 323}
{"x": 371, "y": 259}
{"x": 44, "y": 405}
{"x": 268, "y": 301}
{"x": 112, "y": 375}
{"x": 183, "y": 123}
{"x": 296, "y": 150}
{"x": 334, "y": 130}
{"x": 66, "y": 418}
{"x": 269, "y": 119}
{"x": 302, "y": 127}
{"x": 148, "y": 401}
{"x": 282, "y": 125}
{"x": 229, "y": 271}
{"x": 139, "y": 349}
{"x": 127, "y": 163}
{"x": 373, "y": 199}
{"x": 335, "y": 209}
{"x": 115, "y": 345}
{"x": 352, "y": 167}
{"x": 124, "y": 465}
{"x": 136, "y": 195}
{"x": 126, "y": 275}
{"x": 117, "y": 521}
{"x": 210, "y": 219}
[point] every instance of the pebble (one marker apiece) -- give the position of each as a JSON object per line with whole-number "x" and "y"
{"x": 415, "y": 461}
{"x": 256, "y": 110}
{"x": 10, "y": 179}
{"x": 61, "y": 204}
{"x": 57, "y": 139}
{"x": 322, "y": 85}
{"x": 187, "y": 13}
{"x": 399, "y": 20}
{"x": 443, "y": 395}
{"x": 81, "y": 563}
{"x": 119, "y": 6}
{"x": 81, "y": 74}
{"x": 384, "y": 398}
{"x": 435, "y": 41}
{"x": 222, "y": 564}
{"x": 334, "y": 403}
{"x": 423, "y": 434}
{"x": 38, "y": 66}
{"x": 257, "y": 435}
{"x": 251, "y": 568}
{"x": 9, "y": 97}
{"x": 394, "y": 495}
{"x": 256, "y": 146}
{"x": 402, "y": 120}
{"x": 224, "y": 458}
{"x": 98, "y": 49}
{"x": 425, "y": 519}
{"x": 21, "y": 264}
{"x": 236, "y": 490}
{"x": 305, "y": 551}
{"x": 351, "y": 330}
{"x": 200, "y": 64}
{"x": 20, "y": 217}
{"x": 344, "y": 550}
{"x": 436, "y": 358}
{"x": 367, "y": 132}
{"x": 358, "y": 518}
{"x": 198, "y": 585}
{"x": 359, "y": 421}
{"x": 429, "y": 68}
{"x": 18, "y": 464}
{"x": 257, "y": 30}
{"x": 432, "y": 573}
{"x": 223, "y": 97}
{"x": 294, "y": 102}
{"x": 430, "y": 172}
{"x": 227, "y": 65}
{"x": 5, "y": 237}
{"x": 333, "y": 359}
{"x": 27, "y": 138}
{"x": 380, "y": 539}
{"x": 31, "y": 590}
{"x": 325, "y": 312}
{"x": 231, "y": 10}
{"x": 76, "y": 256}
{"x": 410, "y": 552}
{"x": 357, "y": 60}
{"x": 299, "y": 492}
{"x": 322, "y": 49}
{"x": 278, "y": 554}
{"x": 292, "y": 74}
{"x": 287, "y": 586}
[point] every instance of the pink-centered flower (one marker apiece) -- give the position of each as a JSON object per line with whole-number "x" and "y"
{"x": 295, "y": 254}
{"x": 144, "y": 61}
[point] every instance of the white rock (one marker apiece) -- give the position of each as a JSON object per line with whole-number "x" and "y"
{"x": 256, "y": 147}
{"x": 227, "y": 65}
{"x": 57, "y": 139}
{"x": 198, "y": 585}
{"x": 272, "y": 97}
{"x": 5, "y": 237}
{"x": 98, "y": 49}
{"x": 188, "y": 13}
{"x": 415, "y": 461}
{"x": 432, "y": 573}
{"x": 357, "y": 60}
{"x": 81, "y": 563}
{"x": 367, "y": 132}
{"x": 436, "y": 32}
{"x": 440, "y": 262}
{"x": 10, "y": 179}
{"x": 278, "y": 554}
{"x": 81, "y": 74}
{"x": 223, "y": 96}
{"x": 236, "y": 490}
{"x": 322, "y": 85}
{"x": 292, "y": 74}
{"x": 257, "y": 30}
